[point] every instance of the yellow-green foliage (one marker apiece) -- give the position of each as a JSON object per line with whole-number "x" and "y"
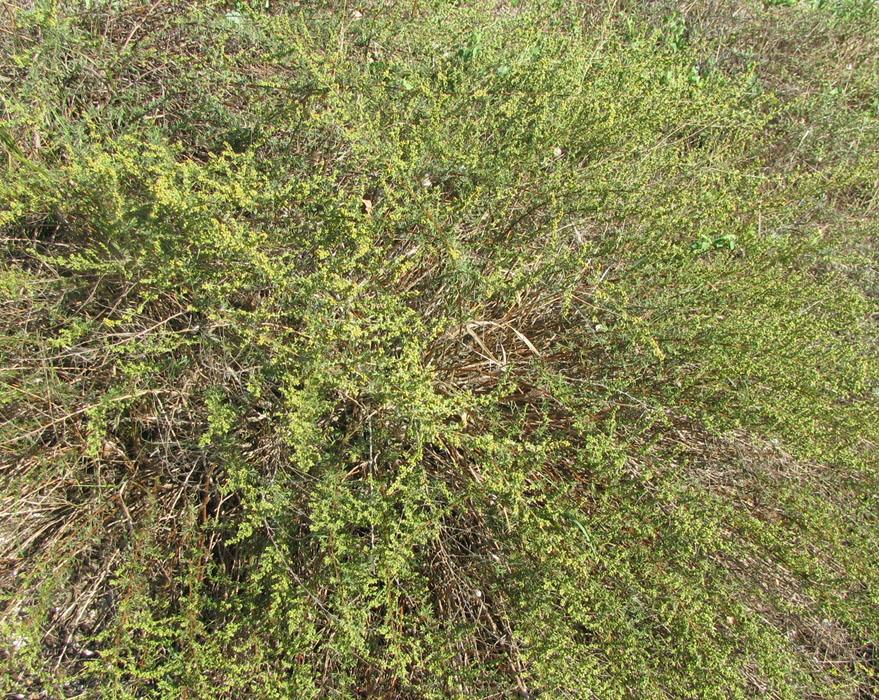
{"x": 438, "y": 350}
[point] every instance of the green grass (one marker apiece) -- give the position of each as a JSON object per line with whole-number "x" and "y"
{"x": 439, "y": 350}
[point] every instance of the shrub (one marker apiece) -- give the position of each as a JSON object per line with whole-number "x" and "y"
{"x": 428, "y": 352}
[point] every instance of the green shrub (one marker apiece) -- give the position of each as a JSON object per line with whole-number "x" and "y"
{"x": 429, "y": 352}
